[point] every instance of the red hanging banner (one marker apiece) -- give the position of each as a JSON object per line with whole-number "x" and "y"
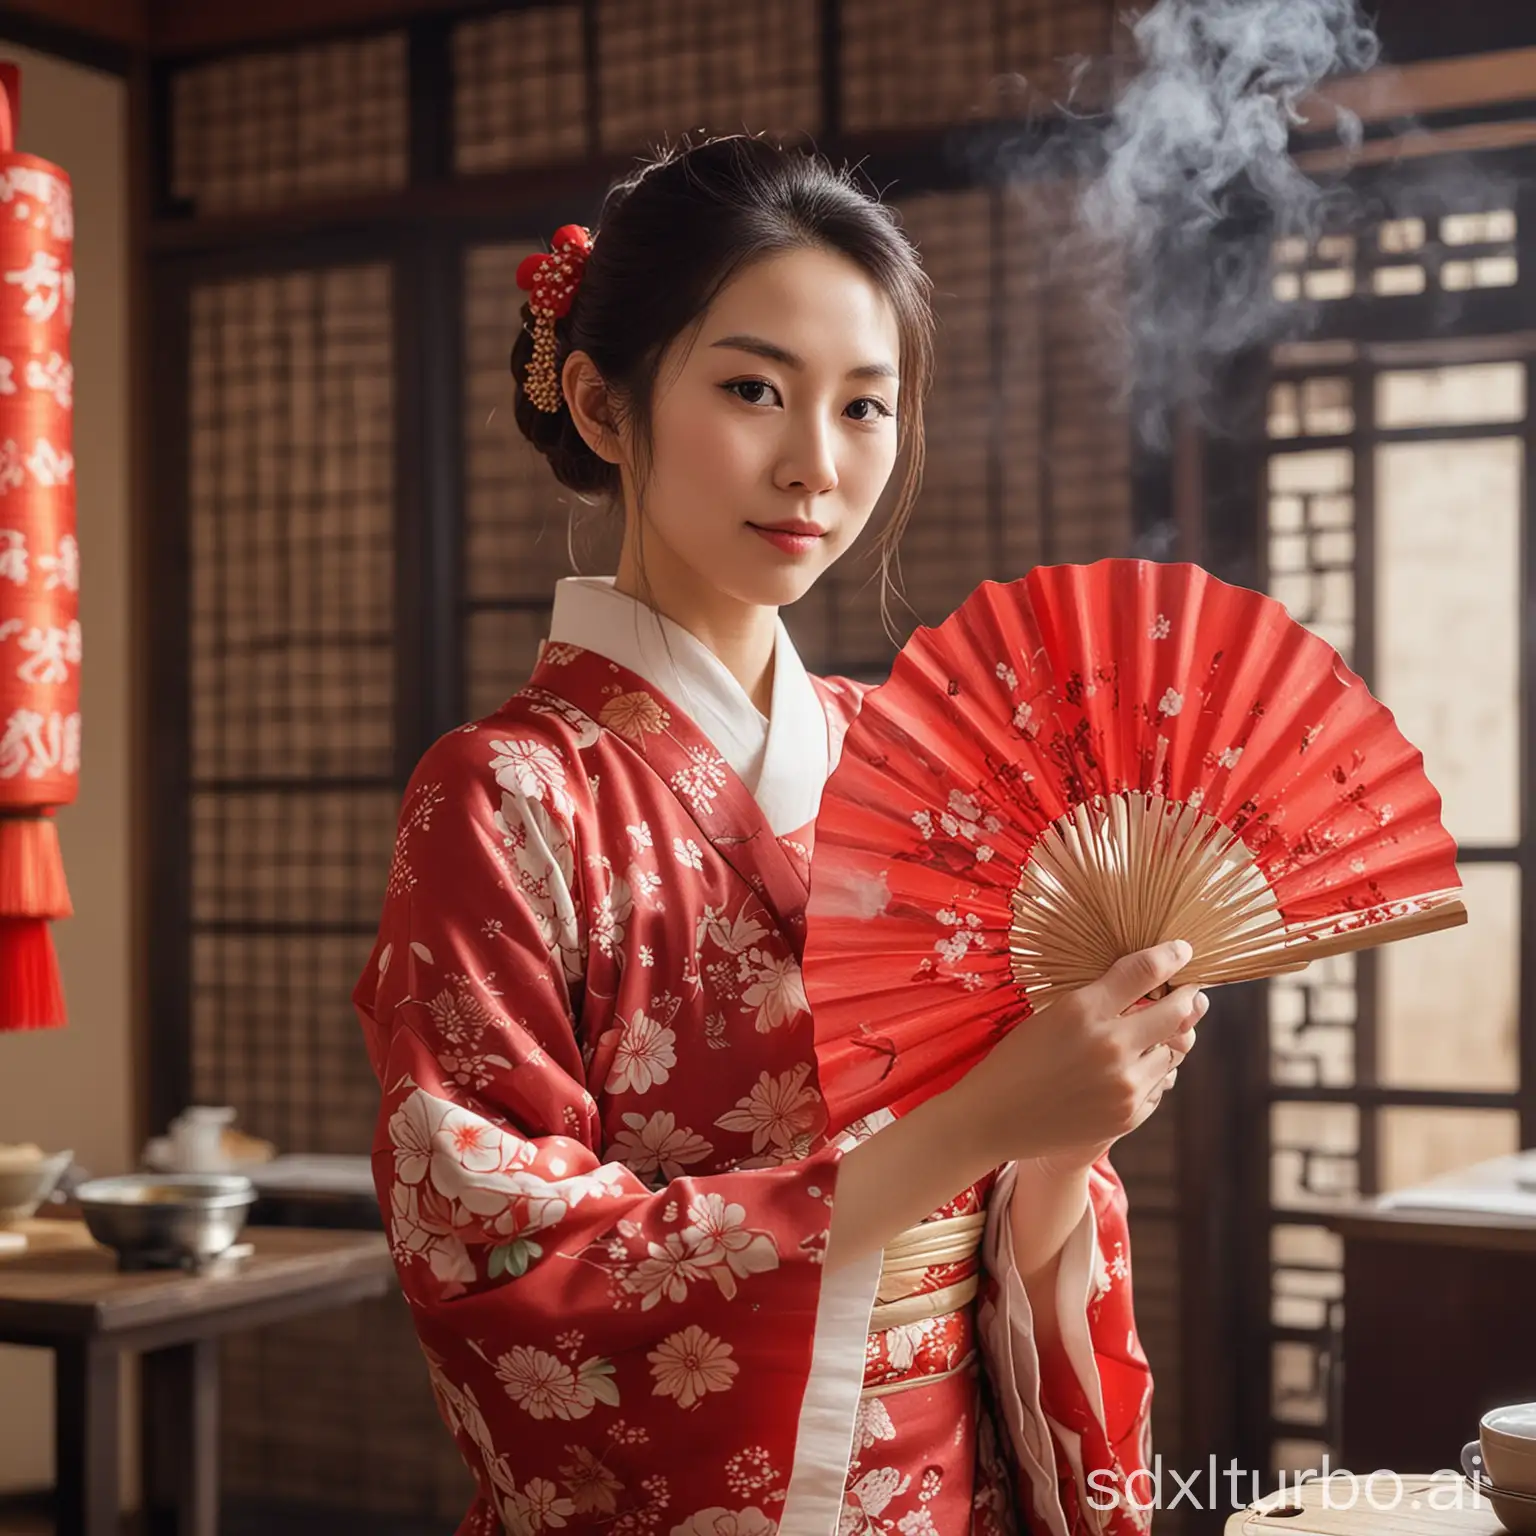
{"x": 39, "y": 568}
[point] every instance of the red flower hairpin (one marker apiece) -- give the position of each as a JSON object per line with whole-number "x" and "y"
{"x": 551, "y": 281}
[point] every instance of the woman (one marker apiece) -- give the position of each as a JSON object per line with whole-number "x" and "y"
{"x": 644, "y": 1278}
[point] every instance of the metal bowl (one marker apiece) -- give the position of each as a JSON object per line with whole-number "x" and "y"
{"x": 165, "y": 1220}
{"x": 24, "y": 1186}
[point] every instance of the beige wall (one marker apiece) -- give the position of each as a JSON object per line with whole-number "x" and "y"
{"x": 73, "y": 1087}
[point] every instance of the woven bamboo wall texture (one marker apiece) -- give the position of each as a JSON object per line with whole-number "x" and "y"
{"x": 665, "y": 66}
{"x": 1067, "y": 450}
{"x": 262, "y": 130}
{"x": 292, "y": 660}
{"x": 335, "y": 1410}
{"x": 274, "y": 1035}
{"x": 292, "y": 815}
{"x": 946, "y": 550}
{"x": 909, "y": 63}
{"x": 520, "y": 88}
{"x": 292, "y": 534}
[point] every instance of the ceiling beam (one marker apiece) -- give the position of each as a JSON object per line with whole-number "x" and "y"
{"x": 196, "y": 26}
{"x": 105, "y": 34}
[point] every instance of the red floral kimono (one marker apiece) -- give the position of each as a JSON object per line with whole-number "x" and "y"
{"x": 600, "y": 1151}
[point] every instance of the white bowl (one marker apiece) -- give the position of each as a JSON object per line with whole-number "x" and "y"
{"x": 24, "y": 1188}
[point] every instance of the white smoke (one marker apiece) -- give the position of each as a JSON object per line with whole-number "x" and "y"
{"x": 1189, "y": 181}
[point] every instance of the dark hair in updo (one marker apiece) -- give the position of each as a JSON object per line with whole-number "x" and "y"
{"x": 670, "y": 237}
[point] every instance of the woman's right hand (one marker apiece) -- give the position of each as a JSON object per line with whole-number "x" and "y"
{"x": 1081, "y": 1074}
{"x": 1085, "y": 1070}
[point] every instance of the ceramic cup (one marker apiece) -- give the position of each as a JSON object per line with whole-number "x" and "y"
{"x": 196, "y": 1136}
{"x": 1516, "y": 1512}
{"x": 1507, "y": 1436}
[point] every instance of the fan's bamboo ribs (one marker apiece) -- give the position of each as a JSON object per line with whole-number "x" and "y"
{"x": 1042, "y": 912}
{"x": 1069, "y": 874}
{"x": 1061, "y": 922}
{"x": 1136, "y": 839}
{"x": 1304, "y": 951}
{"x": 1174, "y": 822}
{"x": 1205, "y": 856}
{"x": 1188, "y": 867}
{"x": 1120, "y": 872}
{"x": 1115, "y": 837}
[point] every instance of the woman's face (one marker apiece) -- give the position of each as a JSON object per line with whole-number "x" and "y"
{"x": 773, "y": 429}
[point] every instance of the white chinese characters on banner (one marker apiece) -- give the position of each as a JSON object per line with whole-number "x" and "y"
{"x": 13, "y": 556}
{"x": 56, "y": 211}
{"x": 54, "y": 377}
{"x": 62, "y": 569}
{"x": 33, "y": 744}
{"x": 47, "y": 282}
{"x": 51, "y": 649}
{"x": 49, "y": 465}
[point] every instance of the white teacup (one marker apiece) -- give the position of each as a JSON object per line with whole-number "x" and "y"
{"x": 196, "y": 1138}
{"x": 1508, "y": 1439}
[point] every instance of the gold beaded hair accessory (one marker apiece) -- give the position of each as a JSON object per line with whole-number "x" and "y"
{"x": 551, "y": 282}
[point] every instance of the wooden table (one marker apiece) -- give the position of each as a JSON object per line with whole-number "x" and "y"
{"x": 1302, "y": 1513}
{"x": 1438, "y": 1321}
{"x": 66, "y": 1294}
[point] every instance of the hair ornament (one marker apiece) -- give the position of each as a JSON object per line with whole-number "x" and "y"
{"x": 551, "y": 281}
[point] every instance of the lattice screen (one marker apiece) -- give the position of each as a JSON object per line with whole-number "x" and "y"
{"x": 1452, "y": 252}
{"x": 520, "y": 88}
{"x": 1368, "y": 448}
{"x": 334, "y": 1410}
{"x": 522, "y": 93}
{"x": 911, "y": 62}
{"x": 259, "y": 130}
{"x": 665, "y": 66}
{"x": 292, "y": 820}
{"x": 292, "y": 696}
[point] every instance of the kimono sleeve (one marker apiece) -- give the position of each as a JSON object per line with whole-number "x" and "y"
{"x": 600, "y": 1348}
{"x": 1078, "y": 1413}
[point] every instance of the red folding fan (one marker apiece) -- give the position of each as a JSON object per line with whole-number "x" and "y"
{"x": 1083, "y": 763}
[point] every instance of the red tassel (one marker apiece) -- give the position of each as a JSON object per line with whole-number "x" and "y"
{"x": 31, "y": 995}
{"x": 32, "y": 891}
{"x": 32, "y": 869}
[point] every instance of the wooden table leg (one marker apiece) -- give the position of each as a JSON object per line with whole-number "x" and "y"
{"x": 87, "y": 1378}
{"x": 181, "y": 1439}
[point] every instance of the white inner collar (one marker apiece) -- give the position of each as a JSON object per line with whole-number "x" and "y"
{"x": 781, "y": 758}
